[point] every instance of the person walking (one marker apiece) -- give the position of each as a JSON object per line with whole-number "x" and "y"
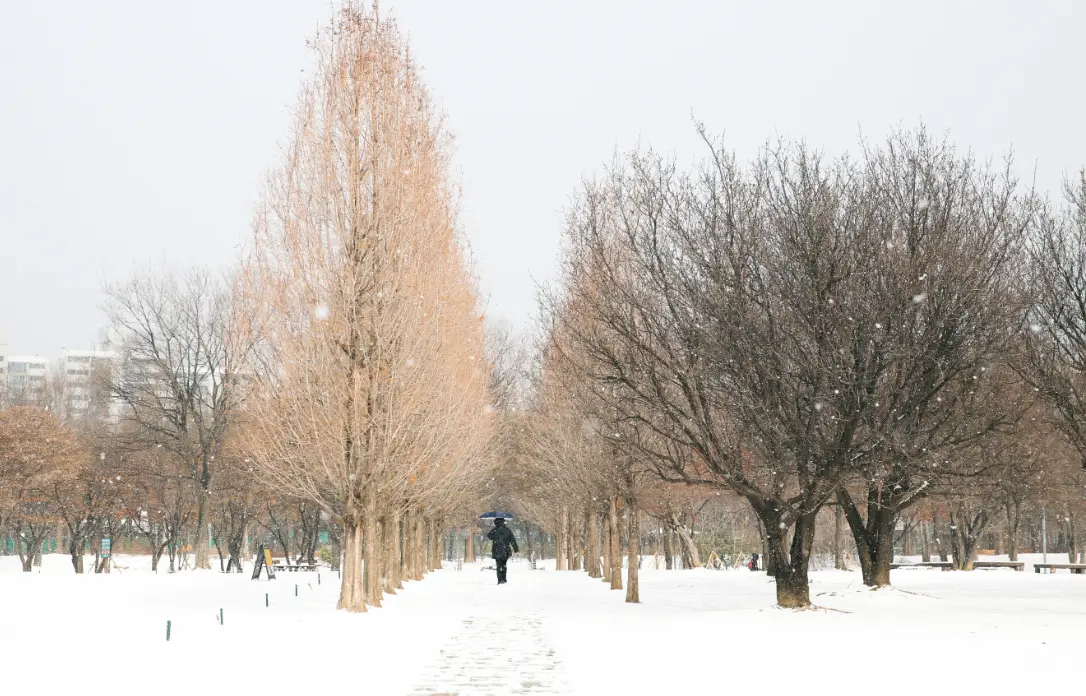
{"x": 502, "y": 538}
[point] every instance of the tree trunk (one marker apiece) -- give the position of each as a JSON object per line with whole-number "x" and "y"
{"x": 1072, "y": 541}
{"x": 793, "y": 588}
{"x": 907, "y": 543}
{"x": 393, "y": 561}
{"x": 839, "y": 537}
{"x": 428, "y": 545}
{"x": 561, "y": 550}
{"x": 605, "y": 523}
{"x": 420, "y": 545}
{"x": 633, "y": 531}
{"x": 925, "y": 542}
{"x": 407, "y": 559}
{"x": 940, "y": 543}
{"x": 246, "y": 550}
{"x": 75, "y": 550}
{"x": 469, "y": 545}
{"x": 591, "y": 543}
{"x": 1013, "y": 520}
{"x": 436, "y": 535}
{"x": 669, "y": 549}
{"x": 691, "y": 558}
{"x": 616, "y": 546}
{"x": 966, "y": 529}
{"x": 874, "y": 537}
{"x": 202, "y": 551}
{"x": 574, "y": 536}
{"x": 352, "y": 591}
{"x": 372, "y": 543}
{"x": 769, "y": 559}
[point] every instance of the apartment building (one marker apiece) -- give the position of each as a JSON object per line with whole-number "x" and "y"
{"x": 24, "y": 377}
{"x": 80, "y": 375}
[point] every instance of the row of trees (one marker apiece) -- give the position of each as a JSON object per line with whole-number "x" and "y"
{"x": 879, "y": 333}
{"x": 76, "y": 487}
{"x": 342, "y": 368}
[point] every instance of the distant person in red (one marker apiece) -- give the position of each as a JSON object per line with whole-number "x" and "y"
{"x": 503, "y": 538}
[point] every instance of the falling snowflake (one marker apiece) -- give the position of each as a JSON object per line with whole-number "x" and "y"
{"x": 1035, "y": 328}
{"x": 322, "y": 311}
{"x": 920, "y": 297}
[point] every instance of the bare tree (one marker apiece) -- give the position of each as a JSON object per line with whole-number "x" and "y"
{"x": 1055, "y": 364}
{"x": 772, "y": 328}
{"x": 941, "y": 323}
{"x": 177, "y": 378}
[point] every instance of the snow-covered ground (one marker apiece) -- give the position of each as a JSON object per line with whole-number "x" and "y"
{"x": 543, "y": 633}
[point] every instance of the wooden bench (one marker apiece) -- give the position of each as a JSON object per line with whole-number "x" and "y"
{"x": 1015, "y": 565}
{"x": 1077, "y": 568}
{"x": 309, "y": 567}
{"x": 945, "y": 565}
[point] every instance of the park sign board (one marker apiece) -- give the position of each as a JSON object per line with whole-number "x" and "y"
{"x": 107, "y": 544}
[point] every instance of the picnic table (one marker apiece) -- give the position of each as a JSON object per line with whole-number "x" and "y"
{"x": 1076, "y": 568}
{"x": 309, "y": 567}
{"x": 1018, "y": 566}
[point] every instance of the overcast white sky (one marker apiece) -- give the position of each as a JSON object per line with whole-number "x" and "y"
{"x": 137, "y": 131}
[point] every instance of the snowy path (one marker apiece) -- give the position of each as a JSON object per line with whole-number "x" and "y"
{"x": 494, "y": 655}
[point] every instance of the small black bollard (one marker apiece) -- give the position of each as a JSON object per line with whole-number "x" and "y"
{"x": 295, "y": 590}
{"x": 318, "y": 578}
{"x": 265, "y": 599}
{"x": 220, "y": 616}
{"x": 168, "y": 626}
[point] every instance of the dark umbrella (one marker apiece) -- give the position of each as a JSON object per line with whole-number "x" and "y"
{"x": 495, "y": 515}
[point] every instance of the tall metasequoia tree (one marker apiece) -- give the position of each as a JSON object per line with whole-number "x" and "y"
{"x": 370, "y": 384}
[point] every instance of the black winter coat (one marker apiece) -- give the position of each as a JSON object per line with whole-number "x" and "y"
{"x": 503, "y": 538}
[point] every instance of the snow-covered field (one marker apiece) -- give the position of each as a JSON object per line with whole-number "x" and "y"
{"x": 543, "y": 633}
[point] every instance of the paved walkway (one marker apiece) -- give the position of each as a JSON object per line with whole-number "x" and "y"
{"x": 494, "y": 656}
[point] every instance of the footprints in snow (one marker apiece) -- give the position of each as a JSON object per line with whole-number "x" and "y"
{"x": 494, "y": 656}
